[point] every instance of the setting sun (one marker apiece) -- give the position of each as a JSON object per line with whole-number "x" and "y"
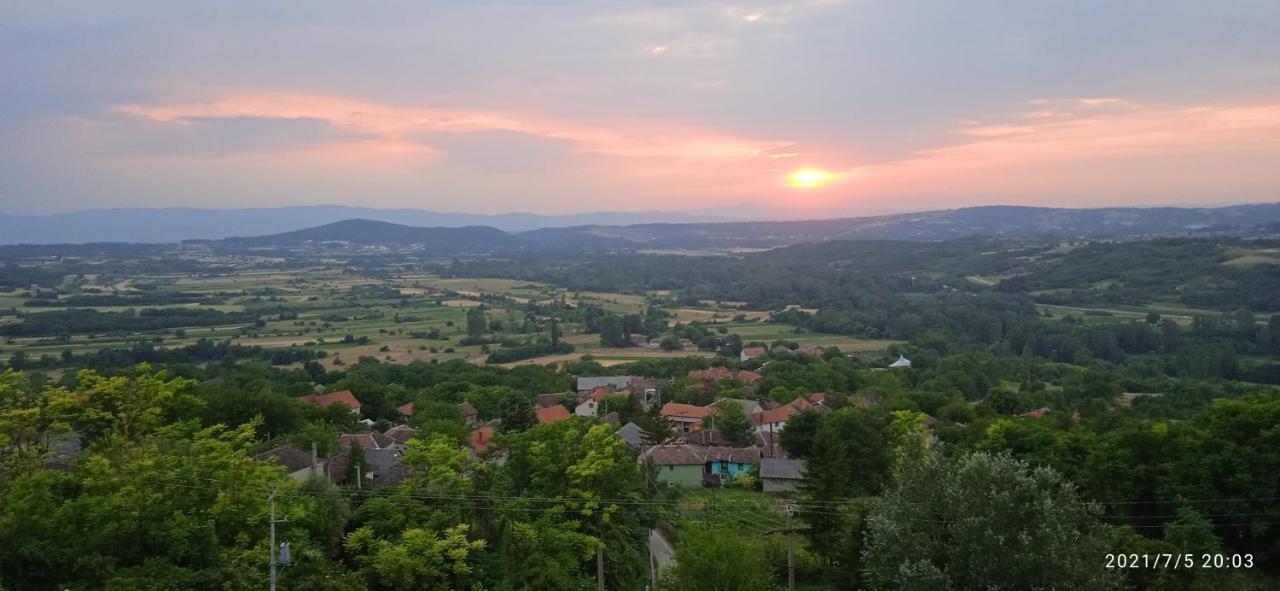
{"x": 810, "y": 177}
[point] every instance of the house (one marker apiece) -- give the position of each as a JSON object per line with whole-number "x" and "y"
{"x": 469, "y": 413}
{"x": 588, "y": 384}
{"x": 901, "y": 362}
{"x": 780, "y": 475}
{"x": 327, "y": 400}
{"x": 298, "y": 464}
{"x": 589, "y": 403}
{"x": 748, "y": 377}
{"x": 632, "y": 434}
{"x": 551, "y": 414}
{"x": 749, "y": 407}
{"x": 724, "y": 464}
{"x": 772, "y": 420}
{"x": 712, "y": 374}
{"x": 810, "y": 350}
{"x": 681, "y": 465}
{"x": 480, "y": 438}
{"x": 553, "y": 399}
{"x": 752, "y": 352}
{"x": 706, "y": 438}
{"x": 401, "y": 433}
{"x": 383, "y": 467}
{"x": 612, "y": 418}
{"x": 406, "y": 409}
{"x": 686, "y": 417}
{"x": 1037, "y": 413}
{"x": 369, "y": 440}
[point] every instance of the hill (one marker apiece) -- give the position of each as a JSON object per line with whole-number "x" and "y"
{"x": 175, "y": 224}
{"x": 987, "y": 221}
{"x": 438, "y": 240}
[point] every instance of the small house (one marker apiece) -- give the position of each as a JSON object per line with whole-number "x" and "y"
{"x": 781, "y": 474}
{"x": 678, "y": 464}
{"x": 327, "y": 400}
{"x": 551, "y": 414}
{"x": 686, "y": 417}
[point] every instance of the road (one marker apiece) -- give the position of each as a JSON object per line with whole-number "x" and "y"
{"x": 663, "y": 553}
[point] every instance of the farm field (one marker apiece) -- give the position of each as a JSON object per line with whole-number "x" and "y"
{"x": 397, "y": 318}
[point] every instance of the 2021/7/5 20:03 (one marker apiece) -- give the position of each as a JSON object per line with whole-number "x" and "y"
{"x": 1177, "y": 561}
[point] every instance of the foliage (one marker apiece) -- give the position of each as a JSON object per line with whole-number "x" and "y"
{"x": 984, "y": 522}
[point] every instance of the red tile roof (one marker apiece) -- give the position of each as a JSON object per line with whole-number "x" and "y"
{"x": 676, "y": 409}
{"x": 406, "y": 409}
{"x": 754, "y": 351}
{"x": 552, "y": 414}
{"x": 817, "y": 397}
{"x": 327, "y": 400}
{"x": 773, "y": 415}
{"x": 714, "y": 373}
{"x": 480, "y": 437}
{"x": 800, "y": 403}
{"x": 749, "y": 377}
{"x": 599, "y": 393}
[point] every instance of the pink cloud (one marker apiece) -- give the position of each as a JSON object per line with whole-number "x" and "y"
{"x": 399, "y": 123}
{"x": 1109, "y": 147}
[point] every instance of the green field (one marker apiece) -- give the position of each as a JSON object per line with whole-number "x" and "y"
{"x": 349, "y": 315}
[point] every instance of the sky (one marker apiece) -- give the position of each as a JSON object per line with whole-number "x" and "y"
{"x": 777, "y": 108}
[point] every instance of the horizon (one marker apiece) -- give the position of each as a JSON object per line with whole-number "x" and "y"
{"x": 805, "y": 109}
{"x": 674, "y": 213}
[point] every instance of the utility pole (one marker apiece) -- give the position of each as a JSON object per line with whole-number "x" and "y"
{"x": 271, "y": 500}
{"x": 600, "y": 566}
{"x": 284, "y": 548}
{"x": 653, "y": 570}
{"x": 791, "y": 550}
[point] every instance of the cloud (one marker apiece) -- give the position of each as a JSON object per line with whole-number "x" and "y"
{"x": 1098, "y": 149}
{"x": 394, "y": 124}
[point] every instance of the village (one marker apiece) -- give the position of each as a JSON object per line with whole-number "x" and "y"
{"x": 689, "y": 452}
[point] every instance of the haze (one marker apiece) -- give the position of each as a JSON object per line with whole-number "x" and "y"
{"x": 796, "y": 108}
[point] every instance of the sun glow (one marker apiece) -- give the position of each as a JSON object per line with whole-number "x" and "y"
{"x": 809, "y": 178}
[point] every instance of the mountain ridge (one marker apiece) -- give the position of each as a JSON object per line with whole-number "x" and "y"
{"x": 984, "y": 221}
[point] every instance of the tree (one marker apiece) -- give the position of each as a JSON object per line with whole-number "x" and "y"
{"x": 182, "y": 508}
{"x": 797, "y": 438}
{"x": 357, "y": 467}
{"x": 516, "y": 413}
{"x": 712, "y": 559}
{"x": 611, "y": 334}
{"x": 654, "y": 428}
{"x": 984, "y": 522}
{"x": 477, "y": 322}
{"x": 851, "y": 456}
{"x": 733, "y": 424}
{"x": 418, "y": 559}
{"x": 555, "y": 332}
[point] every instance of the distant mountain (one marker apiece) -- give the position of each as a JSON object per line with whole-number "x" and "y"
{"x": 404, "y": 226}
{"x": 164, "y": 225}
{"x": 988, "y": 221}
{"x": 438, "y": 240}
